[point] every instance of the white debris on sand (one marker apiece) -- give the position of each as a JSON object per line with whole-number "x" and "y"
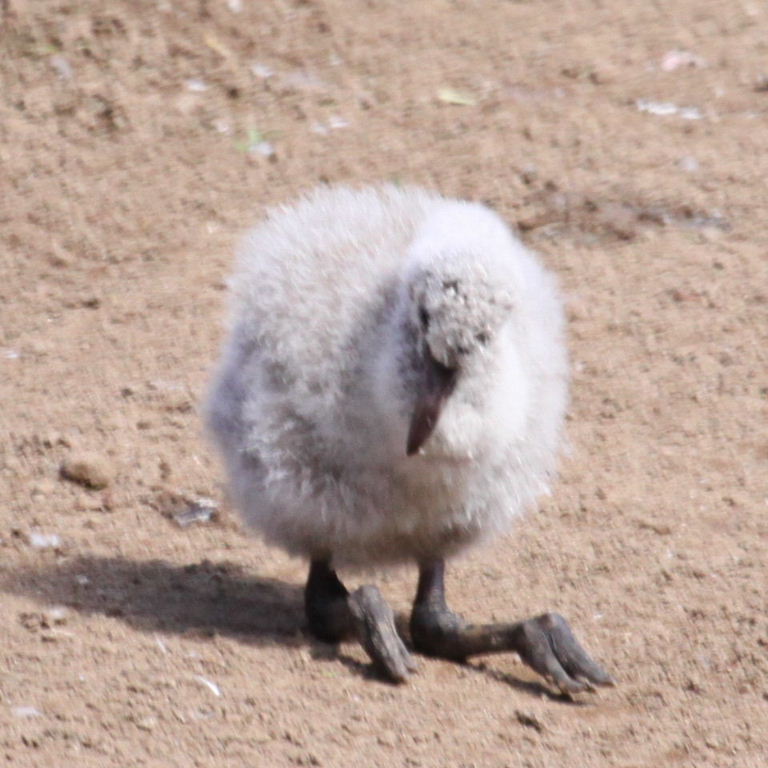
{"x": 667, "y": 108}
{"x": 40, "y": 540}
{"x": 200, "y": 510}
{"x": 688, "y": 163}
{"x": 61, "y": 66}
{"x": 195, "y": 85}
{"x": 265, "y": 148}
{"x": 262, "y": 70}
{"x": 211, "y": 686}
{"x": 676, "y": 59}
{"x": 26, "y": 712}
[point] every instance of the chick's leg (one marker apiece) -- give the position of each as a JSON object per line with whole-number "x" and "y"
{"x": 546, "y": 643}
{"x": 326, "y": 604}
{"x": 334, "y": 615}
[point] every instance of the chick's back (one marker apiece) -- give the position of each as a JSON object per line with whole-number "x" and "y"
{"x": 315, "y": 277}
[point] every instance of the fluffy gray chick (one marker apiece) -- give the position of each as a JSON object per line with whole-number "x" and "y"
{"x": 393, "y": 389}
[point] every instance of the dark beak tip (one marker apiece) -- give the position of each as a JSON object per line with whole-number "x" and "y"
{"x": 422, "y": 425}
{"x": 413, "y": 446}
{"x": 436, "y": 388}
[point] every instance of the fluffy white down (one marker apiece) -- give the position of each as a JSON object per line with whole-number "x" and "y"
{"x": 308, "y": 406}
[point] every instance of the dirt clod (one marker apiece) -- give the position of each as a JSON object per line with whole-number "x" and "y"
{"x": 89, "y": 469}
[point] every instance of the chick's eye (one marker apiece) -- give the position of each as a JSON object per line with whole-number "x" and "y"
{"x": 423, "y": 318}
{"x": 482, "y": 337}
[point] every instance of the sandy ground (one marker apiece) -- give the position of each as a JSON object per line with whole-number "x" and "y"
{"x": 627, "y": 141}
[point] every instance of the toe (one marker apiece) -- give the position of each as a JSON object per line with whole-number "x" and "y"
{"x": 571, "y": 655}
{"x": 536, "y": 651}
{"x": 376, "y": 629}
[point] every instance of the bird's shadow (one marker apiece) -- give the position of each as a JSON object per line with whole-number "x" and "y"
{"x": 157, "y": 596}
{"x": 202, "y": 599}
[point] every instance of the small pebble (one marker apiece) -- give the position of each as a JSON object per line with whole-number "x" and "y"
{"x": 529, "y": 720}
{"x": 147, "y": 723}
{"x": 44, "y": 488}
{"x": 89, "y": 470}
{"x": 387, "y": 739}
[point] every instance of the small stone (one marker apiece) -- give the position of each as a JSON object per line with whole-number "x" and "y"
{"x": 147, "y": 723}
{"x": 55, "y": 616}
{"x": 177, "y": 400}
{"x": 44, "y": 488}
{"x": 603, "y": 73}
{"x": 89, "y": 470}
{"x": 387, "y": 739}
{"x": 529, "y": 720}
{"x": 52, "y": 439}
{"x": 60, "y": 259}
{"x": 87, "y": 501}
{"x": 165, "y": 469}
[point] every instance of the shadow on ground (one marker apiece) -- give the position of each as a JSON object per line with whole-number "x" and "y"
{"x": 206, "y": 598}
{"x": 154, "y": 595}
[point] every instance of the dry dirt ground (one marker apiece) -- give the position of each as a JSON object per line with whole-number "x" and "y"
{"x": 138, "y": 139}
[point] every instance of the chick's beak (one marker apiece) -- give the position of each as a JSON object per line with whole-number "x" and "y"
{"x": 433, "y": 390}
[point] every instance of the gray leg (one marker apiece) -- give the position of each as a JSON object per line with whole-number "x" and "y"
{"x": 334, "y": 615}
{"x": 325, "y": 604}
{"x": 545, "y": 643}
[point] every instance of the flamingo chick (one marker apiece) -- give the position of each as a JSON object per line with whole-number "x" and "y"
{"x": 393, "y": 390}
